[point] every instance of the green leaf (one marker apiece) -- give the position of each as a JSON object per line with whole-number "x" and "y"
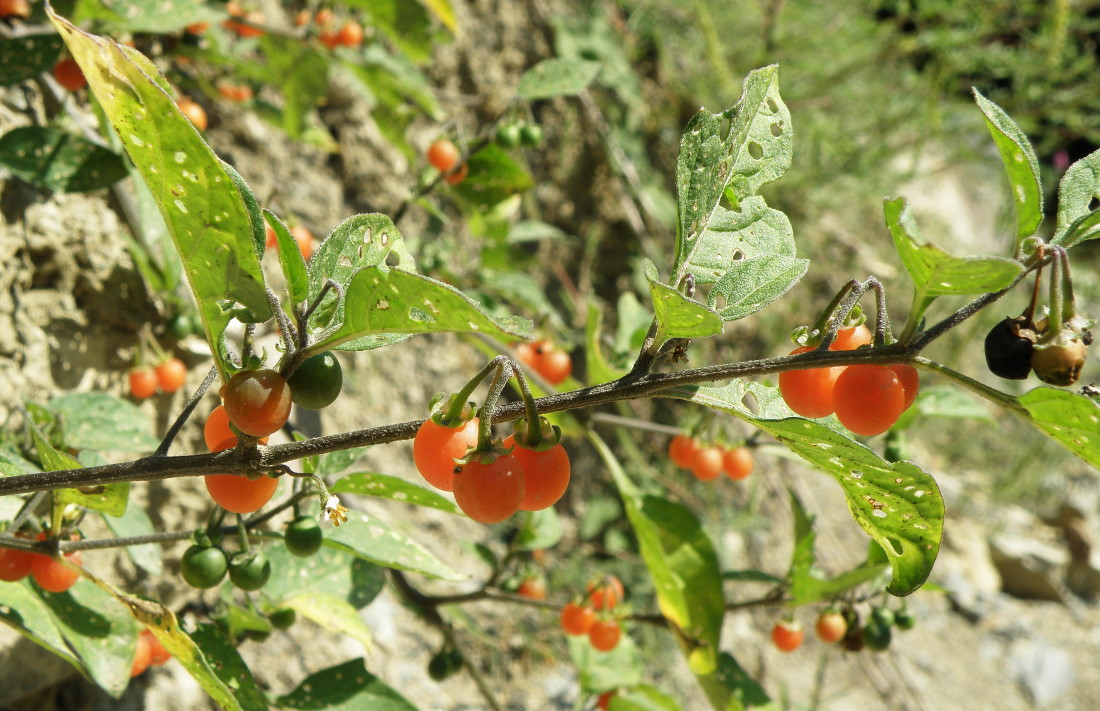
{"x": 534, "y": 231}
{"x": 213, "y": 220}
{"x": 682, "y": 562}
{"x": 936, "y": 273}
{"x": 556, "y": 77}
{"x": 444, "y": 12}
{"x": 731, "y": 236}
{"x": 897, "y": 504}
{"x": 332, "y": 613}
{"x": 301, "y": 73}
{"x": 58, "y": 160}
{"x": 338, "y": 461}
{"x": 407, "y": 24}
{"x": 944, "y": 401}
{"x": 730, "y": 688}
{"x": 158, "y": 17}
{"x": 223, "y": 658}
{"x": 754, "y": 283}
{"x": 391, "y": 487}
{"x": 604, "y": 671}
{"x": 642, "y": 698}
{"x": 370, "y": 539}
{"x": 596, "y": 365}
{"x": 329, "y": 570}
{"x": 25, "y": 612}
{"x": 134, "y": 521}
{"x": 104, "y": 422}
{"x": 108, "y": 498}
{"x": 494, "y": 176}
{"x": 387, "y": 301}
{"x": 677, "y": 315}
{"x": 1020, "y": 164}
{"x": 541, "y": 529}
{"x": 1071, "y": 419}
{"x": 756, "y": 149}
{"x": 1079, "y": 187}
{"x": 26, "y": 57}
{"x": 99, "y": 630}
{"x": 290, "y": 259}
{"x": 751, "y": 576}
{"x": 345, "y": 687}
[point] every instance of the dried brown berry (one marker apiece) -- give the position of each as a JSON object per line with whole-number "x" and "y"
{"x": 1060, "y": 363}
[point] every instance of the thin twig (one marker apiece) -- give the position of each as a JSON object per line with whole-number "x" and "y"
{"x": 166, "y": 443}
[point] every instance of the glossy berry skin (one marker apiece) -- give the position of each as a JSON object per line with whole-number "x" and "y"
{"x": 204, "y": 566}
{"x": 868, "y": 399}
{"x": 194, "y": 113}
{"x": 546, "y": 474}
{"x": 682, "y": 449}
{"x": 546, "y": 359}
{"x": 1008, "y": 348}
{"x": 283, "y": 619}
{"x": 303, "y": 536}
{"x": 809, "y": 392}
{"x": 508, "y": 135}
{"x": 171, "y": 374}
{"x": 250, "y": 571}
{"x": 443, "y": 155}
{"x": 531, "y": 134}
{"x": 787, "y": 636}
{"x": 737, "y": 463}
{"x": 831, "y": 627}
{"x": 605, "y": 593}
{"x": 577, "y": 620}
{"x": 317, "y": 381}
{"x": 877, "y": 636}
{"x": 910, "y": 382}
{"x": 350, "y": 34}
{"x": 240, "y": 494}
{"x": 490, "y": 493}
{"x": 15, "y": 565}
{"x": 216, "y": 430}
{"x": 143, "y": 653}
{"x": 53, "y": 575}
{"x": 904, "y": 619}
{"x": 849, "y": 339}
{"x": 69, "y": 75}
{"x": 604, "y": 635}
{"x": 257, "y": 401}
{"x": 435, "y": 449}
{"x": 532, "y": 589}
{"x": 143, "y": 383}
{"x": 706, "y": 465}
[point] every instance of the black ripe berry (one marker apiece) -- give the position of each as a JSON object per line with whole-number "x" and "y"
{"x": 1008, "y": 348}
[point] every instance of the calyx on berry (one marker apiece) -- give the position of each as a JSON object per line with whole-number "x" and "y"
{"x": 1059, "y": 354}
{"x": 549, "y": 436}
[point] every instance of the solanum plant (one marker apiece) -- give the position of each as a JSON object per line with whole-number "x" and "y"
{"x": 733, "y": 255}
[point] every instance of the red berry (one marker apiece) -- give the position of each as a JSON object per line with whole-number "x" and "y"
{"x": 53, "y": 575}
{"x": 910, "y": 381}
{"x": 604, "y": 635}
{"x": 532, "y": 589}
{"x": 603, "y": 702}
{"x": 15, "y": 564}
{"x": 436, "y": 447}
{"x": 831, "y": 626}
{"x": 458, "y": 175}
{"x": 143, "y": 382}
{"x": 15, "y": 8}
{"x": 787, "y": 635}
{"x": 546, "y": 474}
{"x": 868, "y": 399}
{"x": 257, "y": 401}
{"x": 682, "y": 449}
{"x": 171, "y": 375}
{"x": 489, "y": 493}
{"x": 443, "y": 155}
{"x": 69, "y": 75}
{"x": 706, "y": 465}
{"x": 546, "y": 359}
{"x": 240, "y": 494}
{"x": 849, "y": 339}
{"x": 142, "y": 656}
{"x": 194, "y": 113}
{"x": 605, "y": 593}
{"x": 304, "y": 238}
{"x": 809, "y": 392}
{"x": 350, "y": 34}
{"x": 738, "y": 463}
{"x": 577, "y": 620}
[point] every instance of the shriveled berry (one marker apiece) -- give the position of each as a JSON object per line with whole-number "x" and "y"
{"x": 1008, "y": 348}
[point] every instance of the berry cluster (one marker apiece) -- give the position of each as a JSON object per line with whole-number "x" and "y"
{"x": 594, "y": 617}
{"x": 443, "y": 155}
{"x": 867, "y": 399}
{"x": 168, "y": 376}
{"x": 148, "y": 652}
{"x": 49, "y": 572}
{"x": 835, "y": 625}
{"x": 707, "y": 462}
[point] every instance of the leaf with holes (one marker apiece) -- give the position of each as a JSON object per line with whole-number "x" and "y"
{"x": 754, "y": 283}
{"x": 936, "y": 273}
{"x": 677, "y": 315}
{"x": 560, "y": 76}
{"x": 213, "y": 220}
{"x": 1020, "y": 164}
{"x": 26, "y": 57}
{"x": 370, "y": 539}
{"x": 1071, "y": 419}
{"x": 51, "y": 158}
{"x": 731, "y": 236}
{"x": 391, "y": 487}
{"x": 158, "y": 17}
{"x": 379, "y": 300}
{"x": 897, "y": 504}
{"x": 756, "y": 149}
{"x": 329, "y": 570}
{"x": 1079, "y": 189}
{"x": 344, "y": 687}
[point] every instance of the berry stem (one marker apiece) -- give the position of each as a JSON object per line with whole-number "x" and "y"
{"x": 452, "y": 416}
{"x": 826, "y": 325}
{"x": 173, "y": 431}
{"x": 533, "y": 435}
{"x": 242, "y": 535}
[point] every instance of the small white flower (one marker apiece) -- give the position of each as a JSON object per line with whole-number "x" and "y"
{"x": 333, "y": 514}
